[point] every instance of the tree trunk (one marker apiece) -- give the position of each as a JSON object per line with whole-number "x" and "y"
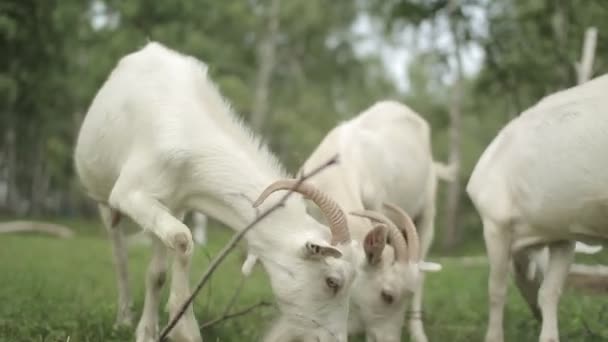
{"x": 73, "y": 200}
{"x": 266, "y": 64}
{"x": 40, "y": 180}
{"x": 451, "y": 234}
{"x": 584, "y": 68}
{"x": 12, "y": 196}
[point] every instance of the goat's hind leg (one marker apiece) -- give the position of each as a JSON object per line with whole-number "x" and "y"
{"x": 124, "y": 314}
{"x": 498, "y": 241}
{"x": 561, "y": 255}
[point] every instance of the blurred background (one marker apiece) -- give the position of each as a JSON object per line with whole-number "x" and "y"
{"x": 293, "y": 69}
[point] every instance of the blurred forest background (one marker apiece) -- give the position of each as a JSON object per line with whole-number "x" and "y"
{"x": 293, "y": 69}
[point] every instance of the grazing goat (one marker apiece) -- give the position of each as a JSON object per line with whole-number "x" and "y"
{"x": 159, "y": 140}
{"x": 385, "y": 157}
{"x": 543, "y": 182}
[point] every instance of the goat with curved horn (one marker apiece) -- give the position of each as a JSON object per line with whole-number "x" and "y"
{"x": 406, "y": 224}
{"x": 330, "y": 209}
{"x": 375, "y": 148}
{"x": 153, "y": 164}
{"x": 395, "y": 237}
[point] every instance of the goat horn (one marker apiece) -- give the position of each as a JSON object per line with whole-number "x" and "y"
{"x": 407, "y": 225}
{"x": 395, "y": 237}
{"x": 330, "y": 209}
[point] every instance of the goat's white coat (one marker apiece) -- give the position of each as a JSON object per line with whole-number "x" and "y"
{"x": 543, "y": 181}
{"x": 385, "y": 156}
{"x": 159, "y": 140}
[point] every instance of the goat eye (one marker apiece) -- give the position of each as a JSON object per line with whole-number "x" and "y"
{"x": 387, "y": 297}
{"x": 332, "y": 283}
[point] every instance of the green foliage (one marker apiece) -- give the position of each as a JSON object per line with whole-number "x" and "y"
{"x": 59, "y": 53}
{"x": 532, "y": 48}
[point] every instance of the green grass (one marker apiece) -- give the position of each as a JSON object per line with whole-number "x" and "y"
{"x": 52, "y": 289}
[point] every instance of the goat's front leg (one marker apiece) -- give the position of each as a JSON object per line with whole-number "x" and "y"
{"x": 417, "y": 333}
{"x": 561, "y": 255}
{"x": 498, "y": 247}
{"x": 187, "y": 328}
{"x": 426, "y": 231}
{"x": 152, "y": 216}
{"x": 147, "y": 329}
{"x": 124, "y": 314}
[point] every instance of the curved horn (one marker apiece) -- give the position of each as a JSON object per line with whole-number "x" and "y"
{"x": 395, "y": 237}
{"x": 330, "y": 209}
{"x": 405, "y": 222}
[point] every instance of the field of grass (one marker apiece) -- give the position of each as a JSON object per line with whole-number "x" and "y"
{"x": 55, "y": 290}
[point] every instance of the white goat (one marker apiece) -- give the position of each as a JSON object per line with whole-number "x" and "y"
{"x": 385, "y": 157}
{"x": 159, "y": 140}
{"x": 543, "y": 182}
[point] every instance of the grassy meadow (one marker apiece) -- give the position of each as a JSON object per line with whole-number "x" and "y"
{"x": 64, "y": 290}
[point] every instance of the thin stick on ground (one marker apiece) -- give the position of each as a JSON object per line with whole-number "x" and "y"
{"x": 36, "y": 227}
{"x": 234, "y": 241}
{"x": 227, "y": 315}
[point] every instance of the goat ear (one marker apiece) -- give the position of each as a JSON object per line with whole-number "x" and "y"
{"x": 374, "y": 244}
{"x": 318, "y": 250}
{"x": 427, "y": 266}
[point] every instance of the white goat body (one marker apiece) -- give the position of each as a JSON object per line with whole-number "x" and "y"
{"x": 385, "y": 156}
{"x": 159, "y": 140}
{"x": 543, "y": 181}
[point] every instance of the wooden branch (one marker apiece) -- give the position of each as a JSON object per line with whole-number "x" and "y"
{"x": 36, "y": 227}
{"x": 589, "y": 270}
{"x": 576, "y": 269}
{"x": 227, "y": 316}
{"x": 234, "y": 241}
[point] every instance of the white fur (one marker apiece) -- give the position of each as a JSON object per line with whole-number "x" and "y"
{"x": 159, "y": 140}
{"x": 385, "y": 156}
{"x": 543, "y": 182}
